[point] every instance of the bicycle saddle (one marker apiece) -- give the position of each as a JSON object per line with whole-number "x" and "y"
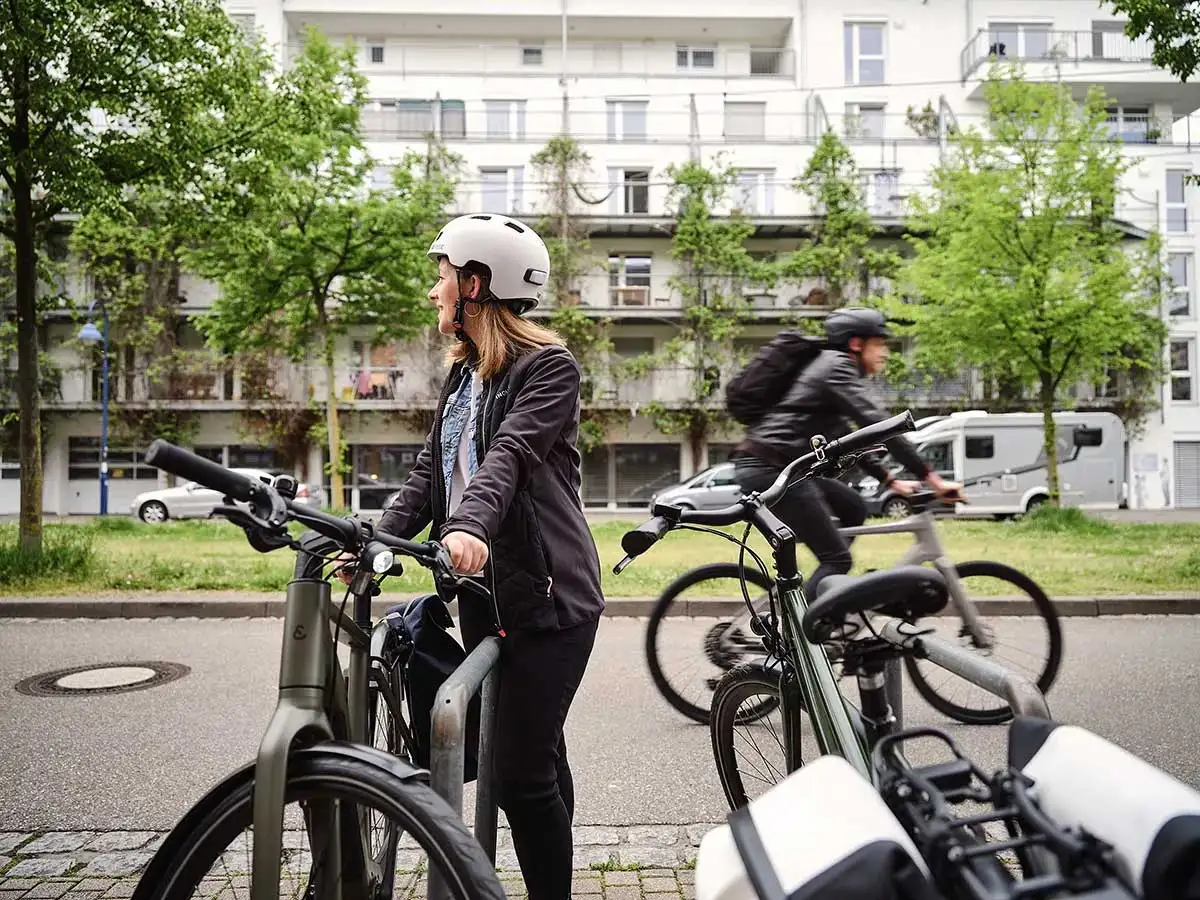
{"x": 906, "y": 592}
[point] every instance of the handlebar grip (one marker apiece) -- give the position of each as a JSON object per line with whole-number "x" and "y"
{"x": 645, "y": 536}
{"x": 869, "y": 436}
{"x": 185, "y": 464}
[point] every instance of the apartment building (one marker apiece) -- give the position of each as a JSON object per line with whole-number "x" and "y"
{"x": 640, "y": 88}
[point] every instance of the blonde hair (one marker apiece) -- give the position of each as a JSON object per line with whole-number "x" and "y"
{"x": 503, "y": 335}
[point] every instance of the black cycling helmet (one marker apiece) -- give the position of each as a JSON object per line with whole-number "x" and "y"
{"x": 852, "y": 322}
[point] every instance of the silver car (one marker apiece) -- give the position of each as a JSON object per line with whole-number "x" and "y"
{"x": 192, "y": 501}
{"x": 711, "y": 488}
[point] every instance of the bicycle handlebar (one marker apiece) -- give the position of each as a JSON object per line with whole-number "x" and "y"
{"x": 351, "y": 535}
{"x": 666, "y": 517}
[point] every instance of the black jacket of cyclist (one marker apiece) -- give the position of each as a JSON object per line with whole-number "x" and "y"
{"x": 499, "y": 481}
{"x": 828, "y": 395}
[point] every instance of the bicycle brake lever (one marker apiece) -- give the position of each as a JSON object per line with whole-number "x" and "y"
{"x": 259, "y": 533}
{"x": 623, "y": 565}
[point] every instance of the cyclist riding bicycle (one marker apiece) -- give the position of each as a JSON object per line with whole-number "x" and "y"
{"x": 828, "y": 393}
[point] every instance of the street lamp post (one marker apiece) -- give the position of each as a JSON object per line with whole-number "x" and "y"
{"x": 90, "y": 334}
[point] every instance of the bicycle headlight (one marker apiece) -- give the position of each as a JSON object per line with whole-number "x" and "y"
{"x": 383, "y": 562}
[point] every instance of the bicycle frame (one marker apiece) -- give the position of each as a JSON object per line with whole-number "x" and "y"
{"x": 928, "y": 549}
{"x": 315, "y": 703}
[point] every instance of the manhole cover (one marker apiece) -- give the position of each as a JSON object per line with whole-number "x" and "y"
{"x": 101, "y": 678}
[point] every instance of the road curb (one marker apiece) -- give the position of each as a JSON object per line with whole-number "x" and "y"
{"x": 208, "y": 607}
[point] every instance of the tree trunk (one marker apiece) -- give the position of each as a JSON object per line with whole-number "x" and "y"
{"x": 337, "y": 499}
{"x": 29, "y": 397}
{"x": 1049, "y": 435}
{"x": 696, "y": 432}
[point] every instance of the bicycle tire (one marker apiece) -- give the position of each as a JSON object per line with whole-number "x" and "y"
{"x": 662, "y": 607}
{"x": 328, "y": 773}
{"x": 735, "y": 686}
{"x": 1045, "y": 608}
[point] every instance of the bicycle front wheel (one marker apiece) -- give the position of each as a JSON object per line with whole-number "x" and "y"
{"x": 755, "y": 745}
{"x": 209, "y": 853}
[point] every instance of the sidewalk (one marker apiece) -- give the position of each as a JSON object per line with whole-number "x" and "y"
{"x": 613, "y": 863}
{"x": 236, "y": 605}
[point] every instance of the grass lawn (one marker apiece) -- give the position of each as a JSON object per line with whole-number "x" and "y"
{"x": 1068, "y": 555}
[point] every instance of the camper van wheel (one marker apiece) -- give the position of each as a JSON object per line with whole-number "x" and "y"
{"x": 1035, "y": 502}
{"x": 897, "y": 508}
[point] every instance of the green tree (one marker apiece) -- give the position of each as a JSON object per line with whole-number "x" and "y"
{"x": 1023, "y": 268}
{"x": 839, "y": 252}
{"x": 97, "y": 97}
{"x": 562, "y": 166}
{"x": 714, "y": 265}
{"x": 1172, "y": 26}
{"x": 312, "y": 253}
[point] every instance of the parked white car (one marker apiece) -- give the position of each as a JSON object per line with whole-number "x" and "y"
{"x": 192, "y": 501}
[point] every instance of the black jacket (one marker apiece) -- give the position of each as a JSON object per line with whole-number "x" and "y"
{"x": 830, "y": 393}
{"x": 523, "y": 500}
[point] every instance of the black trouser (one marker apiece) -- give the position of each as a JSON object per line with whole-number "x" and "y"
{"x": 807, "y": 508}
{"x": 539, "y": 674}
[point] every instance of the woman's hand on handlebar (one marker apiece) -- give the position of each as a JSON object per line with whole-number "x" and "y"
{"x": 468, "y": 553}
{"x": 345, "y": 573}
{"x": 949, "y": 491}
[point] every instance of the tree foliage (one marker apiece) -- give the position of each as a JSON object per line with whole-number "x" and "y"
{"x": 713, "y": 268}
{"x": 98, "y": 97}
{"x": 1024, "y": 268}
{"x": 839, "y": 253}
{"x": 313, "y": 253}
{"x": 1171, "y": 25}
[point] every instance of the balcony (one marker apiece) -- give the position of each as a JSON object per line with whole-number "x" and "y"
{"x": 1119, "y": 64}
{"x": 928, "y": 393}
{"x": 404, "y": 385}
{"x": 585, "y": 60}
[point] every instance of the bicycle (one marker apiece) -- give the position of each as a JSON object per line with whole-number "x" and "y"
{"x": 729, "y": 642}
{"x": 313, "y": 751}
{"x": 797, "y": 674}
{"x": 1069, "y": 815}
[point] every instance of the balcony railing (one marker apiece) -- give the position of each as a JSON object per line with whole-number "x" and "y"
{"x": 584, "y": 60}
{"x": 1037, "y": 45}
{"x": 408, "y": 383}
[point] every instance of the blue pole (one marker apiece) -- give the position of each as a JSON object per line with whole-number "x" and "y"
{"x": 104, "y": 421}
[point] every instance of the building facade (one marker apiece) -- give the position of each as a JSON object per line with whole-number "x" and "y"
{"x": 640, "y": 88}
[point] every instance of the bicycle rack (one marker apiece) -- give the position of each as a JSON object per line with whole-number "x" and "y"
{"x": 1019, "y": 692}
{"x": 448, "y": 745}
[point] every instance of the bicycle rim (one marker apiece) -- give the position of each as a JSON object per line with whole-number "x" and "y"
{"x": 182, "y": 867}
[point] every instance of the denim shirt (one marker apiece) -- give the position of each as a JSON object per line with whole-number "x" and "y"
{"x": 456, "y": 418}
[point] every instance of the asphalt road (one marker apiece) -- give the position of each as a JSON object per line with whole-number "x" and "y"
{"x": 138, "y": 760}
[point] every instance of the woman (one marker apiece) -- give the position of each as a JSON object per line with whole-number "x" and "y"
{"x": 499, "y": 479}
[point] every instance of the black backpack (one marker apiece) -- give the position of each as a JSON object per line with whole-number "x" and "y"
{"x": 767, "y": 377}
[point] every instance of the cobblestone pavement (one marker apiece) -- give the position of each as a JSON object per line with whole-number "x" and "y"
{"x": 613, "y": 863}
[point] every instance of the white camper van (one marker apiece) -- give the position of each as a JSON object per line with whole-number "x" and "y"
{"x": 1001, "y": 461}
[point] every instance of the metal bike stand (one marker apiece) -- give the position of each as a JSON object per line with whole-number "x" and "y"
{"x": 1020, "y": 693}
{"x": 448, "y": 745}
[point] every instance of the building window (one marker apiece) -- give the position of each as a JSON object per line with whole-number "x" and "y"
{"x": 1019, "y": 40}
{"x": 865, "y": 120}
{"x": 745, "y": 121}
{"x": 502, "y": 190}
{"x": 245, "y": 23}
{"x": 1130, "y": 124}
{"x": 698, "y": 58}
{"x": 375, "y": 53}
{"x": 1181, "y": 267}
{"x": 531, "y": 55}
{"x": 631, "y": 191}
{"x": 882, "y": 192}
{"x": 627, "y": 120}
{"x": 754, "y": 193}
{"x": 381, "y": 178}
{"x": 1183, "y": 370}
{"x": 124, "y": 464}
{"x": 864, "y": 52}
{"x": 629, "y": 280}
{"x": 1177, "y": 205}
{"x": 505, "y": 119}
{"x": 415, "y": 118}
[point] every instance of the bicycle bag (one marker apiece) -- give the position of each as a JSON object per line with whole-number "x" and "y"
{"x": 425, "y": 622}
{"x": 821, "y": 832}
{"x": 767, "y": 377}
{"x": 1082, "y": 781}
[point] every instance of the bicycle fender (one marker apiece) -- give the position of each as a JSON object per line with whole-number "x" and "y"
{"x": 372, "y": 756}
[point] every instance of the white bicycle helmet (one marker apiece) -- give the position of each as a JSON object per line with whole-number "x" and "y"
{"x": 512, "y": 251}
